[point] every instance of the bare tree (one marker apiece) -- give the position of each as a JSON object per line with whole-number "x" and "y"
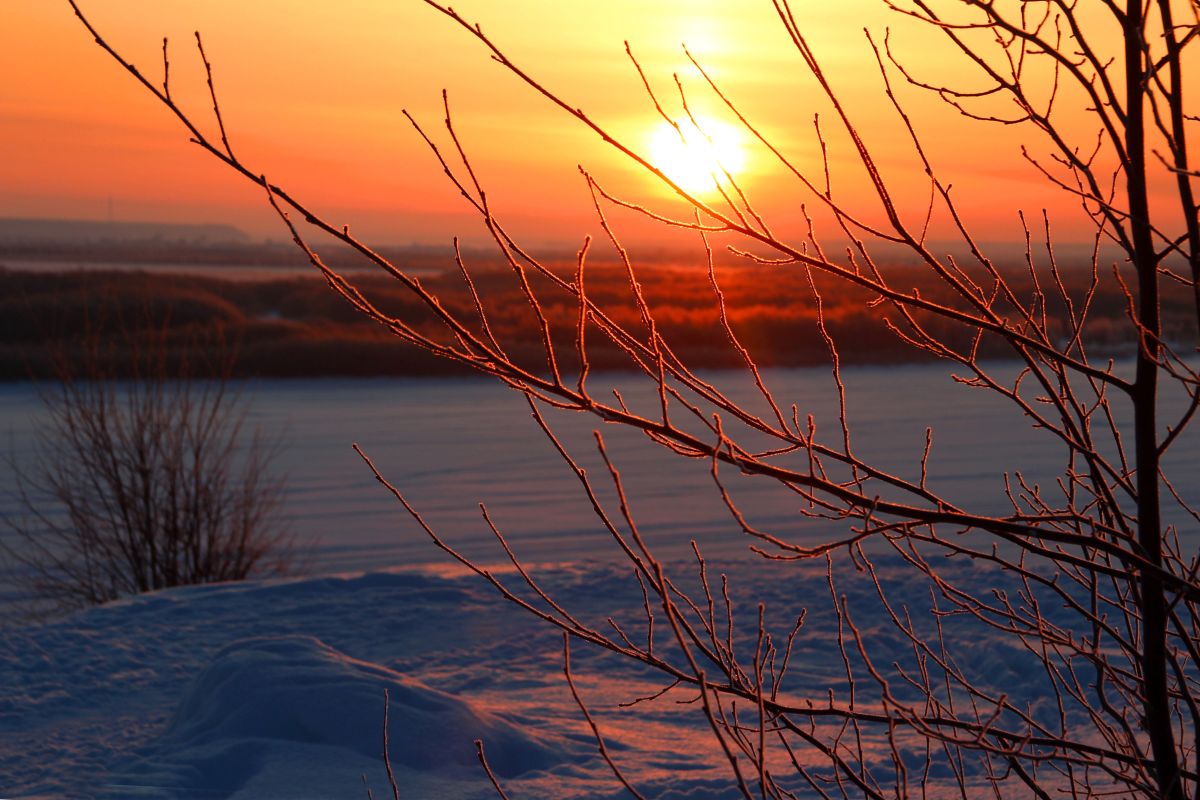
{"x": 142, "y": 478}
{"x": 1119, "y": 667}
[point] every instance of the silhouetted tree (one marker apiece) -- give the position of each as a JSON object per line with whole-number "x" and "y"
{"x": 1119, "y": 671}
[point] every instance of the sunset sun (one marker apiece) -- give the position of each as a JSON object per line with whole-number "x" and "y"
{"x": 698, "y": 156}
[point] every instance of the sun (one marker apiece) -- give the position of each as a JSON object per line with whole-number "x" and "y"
{"x": 699, "y": 156}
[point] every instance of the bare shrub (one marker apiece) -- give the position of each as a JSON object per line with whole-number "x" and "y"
{"x": 1085, "y": 574}
{"x": 142, "y": 478}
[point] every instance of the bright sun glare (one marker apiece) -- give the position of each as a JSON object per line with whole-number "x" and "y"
{"x": 698, "y": 155}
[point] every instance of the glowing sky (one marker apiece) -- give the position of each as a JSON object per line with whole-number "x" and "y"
{"x": 312, "y": 93}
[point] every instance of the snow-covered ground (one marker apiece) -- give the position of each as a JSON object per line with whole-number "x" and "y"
{"x": 275, "y": 689}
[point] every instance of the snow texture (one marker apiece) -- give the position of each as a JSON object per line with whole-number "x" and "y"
{"x": 274, "y": 689}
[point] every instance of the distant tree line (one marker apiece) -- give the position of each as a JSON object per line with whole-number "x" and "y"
{"x": 293, "y": 326}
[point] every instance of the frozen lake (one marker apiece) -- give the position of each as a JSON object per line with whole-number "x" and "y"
{"x": 450, "y": 444}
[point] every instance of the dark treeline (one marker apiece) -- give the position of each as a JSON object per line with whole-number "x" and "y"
{"x": 294, "y": 326}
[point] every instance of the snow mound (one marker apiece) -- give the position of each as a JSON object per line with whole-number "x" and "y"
{"x": 270, "y": 716}
{"x": 299, "y": 689}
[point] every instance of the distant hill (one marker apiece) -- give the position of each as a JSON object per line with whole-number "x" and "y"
{"x": 33, "y": 232}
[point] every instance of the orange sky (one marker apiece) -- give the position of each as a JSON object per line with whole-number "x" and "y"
{"x": 312, "y": 93}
